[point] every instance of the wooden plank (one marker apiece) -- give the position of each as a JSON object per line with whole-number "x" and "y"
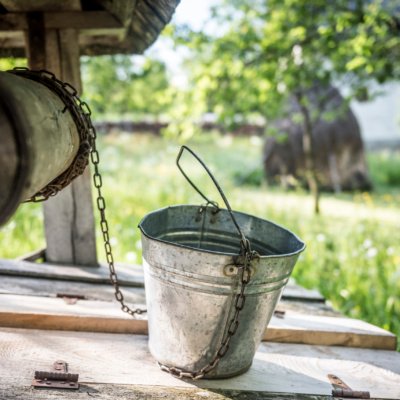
{"x": 124, "y": 359}
{"x": 35, "y": 40}
{"x": 67, "y": 232}
{"x": 63, "y": 20}
{"x": 51, "y": 288}
{"x": 40, "y": 5}
{"x": 55, "y": 313}
{"x": 129, "y": 275}
{"x": 102, "y": 316}
{"x": 81, "y": 20}
{"x": 139, "y": 392}
{"x": 328, "y": 331}
{"x": 121, "y": 10}
{"x": 141, "y": 21}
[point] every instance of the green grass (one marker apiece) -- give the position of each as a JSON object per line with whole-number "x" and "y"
{"x": 385, "y": 170}
{"x": 353, "y": 247}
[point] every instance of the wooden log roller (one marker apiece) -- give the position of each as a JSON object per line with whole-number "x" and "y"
{"x": 42, "y": 136}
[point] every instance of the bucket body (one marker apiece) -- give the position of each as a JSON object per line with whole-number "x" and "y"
{"x": 191, "y": 278}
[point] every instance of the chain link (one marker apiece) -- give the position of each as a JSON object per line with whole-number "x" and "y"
{"x": 101, "y": 206}
{"x": 81, "y": 113}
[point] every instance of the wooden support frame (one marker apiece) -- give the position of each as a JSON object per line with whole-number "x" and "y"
{"x": 62, "y": 20}
{"x": 69, "y": 220}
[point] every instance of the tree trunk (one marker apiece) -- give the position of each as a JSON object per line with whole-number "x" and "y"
{"x": 308, "y": 148}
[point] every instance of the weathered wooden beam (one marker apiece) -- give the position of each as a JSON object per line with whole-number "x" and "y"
{"x": 129, "y": 275}
{"x": 122, "y": 10}
{"x": 62, "y": 20}
{"x": 36, "y": 39}
{"x": 90, "y": 43}
{"x": 149, "y": 19}
{"x": 40, "y": 5}
{"x": 125, "y": 359}
{"x": 139, "y": 392}
{"x": 139, "y": 21}
{"x": 104, "y": 316}
{"x": 69, "y": 220}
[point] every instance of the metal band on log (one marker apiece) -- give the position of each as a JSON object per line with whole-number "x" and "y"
{"x": 39, "y": 140}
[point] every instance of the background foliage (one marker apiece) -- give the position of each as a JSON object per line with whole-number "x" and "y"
{"x": 121, "y": 85}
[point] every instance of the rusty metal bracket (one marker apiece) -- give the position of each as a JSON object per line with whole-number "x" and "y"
{"x": 59, "y": 378}
{"x": 279, "y": 313}
{"x": 340, "y": 389}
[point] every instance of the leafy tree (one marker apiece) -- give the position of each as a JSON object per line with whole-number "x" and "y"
{"x": 124, "y": 85}
{"x": 10, "y": 63}
{"x": 272, "y": 52}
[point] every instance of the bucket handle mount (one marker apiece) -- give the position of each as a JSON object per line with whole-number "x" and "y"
{"x": 244, "y": 242}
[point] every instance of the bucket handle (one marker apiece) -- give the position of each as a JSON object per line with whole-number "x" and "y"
{"x": 244, "y": 242}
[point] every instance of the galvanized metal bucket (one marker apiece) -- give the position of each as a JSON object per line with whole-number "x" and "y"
{"x": 195, "y": 267}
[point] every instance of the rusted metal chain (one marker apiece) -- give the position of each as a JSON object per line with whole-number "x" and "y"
{"x": 101, "y": 205}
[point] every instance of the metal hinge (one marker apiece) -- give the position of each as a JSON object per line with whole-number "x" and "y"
{"x": 340, "y": 389}
{"x": 279, "y": 313}
{"x": 58, "y": 378}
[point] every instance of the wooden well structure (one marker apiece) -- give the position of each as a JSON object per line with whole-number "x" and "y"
{"x": 65, "y": 308}
{"x": 53, "y": 34}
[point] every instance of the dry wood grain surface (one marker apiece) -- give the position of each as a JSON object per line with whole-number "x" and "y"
{"x": 118, "y": 359}
{"x": 37, "y": 312}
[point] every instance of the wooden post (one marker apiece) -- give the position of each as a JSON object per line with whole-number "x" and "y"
{"x": 68, "y": 217}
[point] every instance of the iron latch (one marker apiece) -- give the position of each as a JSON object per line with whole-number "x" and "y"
{"x": 279, "y": 313}
{"x": 58, "y": 378}
{"x": 340, "y": 389}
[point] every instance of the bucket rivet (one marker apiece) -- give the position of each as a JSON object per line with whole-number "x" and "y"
{"x": 230, "y": 270}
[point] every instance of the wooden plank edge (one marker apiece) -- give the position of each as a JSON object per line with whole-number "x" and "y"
{"x": 73, "y": 323}
{"x": 326, "y": 338}
{"x": 62, "y": 20}
{"x": 70, "y": 272}
{"x": 125, "y": 392}
{"x": 140, "y": 327}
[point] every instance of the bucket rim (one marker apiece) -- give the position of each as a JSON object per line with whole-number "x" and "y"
{"x": 301, "y": 242}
